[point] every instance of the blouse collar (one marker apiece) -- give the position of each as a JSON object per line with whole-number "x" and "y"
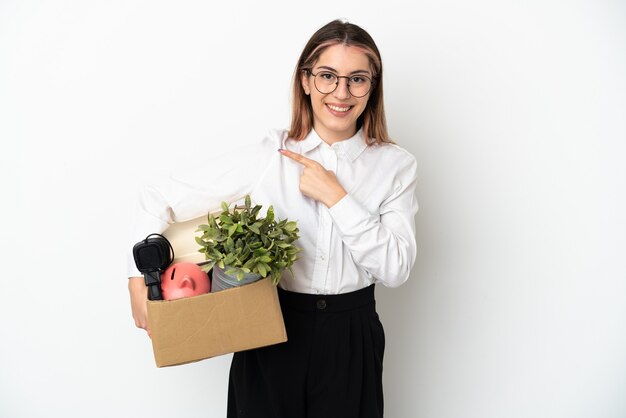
{"x": 350, "y": 148}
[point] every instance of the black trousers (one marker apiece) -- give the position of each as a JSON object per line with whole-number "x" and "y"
{"x": 330, "y": 367}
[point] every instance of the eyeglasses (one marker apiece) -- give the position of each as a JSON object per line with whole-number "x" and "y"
{"x": 327, "y": 82}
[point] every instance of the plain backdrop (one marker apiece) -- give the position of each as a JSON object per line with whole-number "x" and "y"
{"x": 515, "y": 111}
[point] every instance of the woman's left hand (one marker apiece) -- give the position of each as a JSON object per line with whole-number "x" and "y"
{"x": 316, "y": 182}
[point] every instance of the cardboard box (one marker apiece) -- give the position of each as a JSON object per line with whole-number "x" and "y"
{"x": 209, "y": 325}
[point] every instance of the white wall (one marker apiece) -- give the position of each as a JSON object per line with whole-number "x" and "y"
{"x": 515, "y": 110}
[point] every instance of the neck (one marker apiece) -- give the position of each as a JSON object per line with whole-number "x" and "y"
{"x": 333, "y": 137}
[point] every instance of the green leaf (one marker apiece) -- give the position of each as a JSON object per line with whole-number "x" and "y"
{"x": 261, "y": 269}
{"x": 208, "y": 266}
{"x": 276, "y": 278}
{"x": 229, "y": 260}
{"x": 267, "y": 268}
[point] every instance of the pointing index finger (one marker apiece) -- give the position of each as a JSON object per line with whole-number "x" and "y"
{"x": 298, "y": 157}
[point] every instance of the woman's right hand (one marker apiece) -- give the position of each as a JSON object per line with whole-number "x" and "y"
{"x": 138, "y": 298}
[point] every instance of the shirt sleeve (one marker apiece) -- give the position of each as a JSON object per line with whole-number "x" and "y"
{"x": 191, "y": 193}
{"x": 383, "y": 244}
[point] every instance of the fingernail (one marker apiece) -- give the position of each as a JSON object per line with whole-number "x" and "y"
{"x": 280, "y": 150}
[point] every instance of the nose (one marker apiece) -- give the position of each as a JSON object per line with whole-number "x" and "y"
{"x": 187, "y": 281}
{"x": 342, "y": 91}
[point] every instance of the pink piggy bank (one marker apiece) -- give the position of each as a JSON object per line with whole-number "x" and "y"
{"x": 181, "y": 280}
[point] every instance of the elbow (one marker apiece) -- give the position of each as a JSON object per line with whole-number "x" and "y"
{"x": 396, "y": 279}
{"x": 399, "y": 270}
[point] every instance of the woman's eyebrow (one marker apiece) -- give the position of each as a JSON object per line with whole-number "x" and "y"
{"x": 327, "y": 68}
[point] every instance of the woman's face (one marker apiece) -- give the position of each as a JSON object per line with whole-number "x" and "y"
{"x": 335, "y": 114}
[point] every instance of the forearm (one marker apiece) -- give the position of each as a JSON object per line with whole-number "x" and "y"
{"x": 382, "y": 245}
{"x": 138, "y": 299}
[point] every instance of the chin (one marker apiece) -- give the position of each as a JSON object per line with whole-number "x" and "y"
{"x": 338, "y": 125}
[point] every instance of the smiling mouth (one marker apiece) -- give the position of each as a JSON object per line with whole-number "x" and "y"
{"x": 339, "y": 108}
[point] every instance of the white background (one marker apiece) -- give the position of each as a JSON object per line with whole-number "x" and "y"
{"x": 515, "y": 111}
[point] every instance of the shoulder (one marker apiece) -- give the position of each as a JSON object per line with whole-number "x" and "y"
{"x": 273, "y": 138}
{"x": 254, "y": 153}
{"x": 258, "y": 149}
{"x": 392, "y": 156}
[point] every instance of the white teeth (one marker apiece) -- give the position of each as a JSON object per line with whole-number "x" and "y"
{"x": 339, "y": 109}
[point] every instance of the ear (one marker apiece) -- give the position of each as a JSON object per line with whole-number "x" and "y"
{"x": 305, "y": 79}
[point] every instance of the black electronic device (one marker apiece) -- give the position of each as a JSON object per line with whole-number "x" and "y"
{"x": 152, "y": 255}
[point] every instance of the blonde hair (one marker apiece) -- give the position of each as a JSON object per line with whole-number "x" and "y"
{"x": 372, "y": 120}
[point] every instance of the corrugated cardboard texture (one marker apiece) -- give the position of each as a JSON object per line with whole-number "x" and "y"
{"x": 200, "y": 327}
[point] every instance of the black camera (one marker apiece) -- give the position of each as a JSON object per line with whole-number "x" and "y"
{"x": 152, "y": 255}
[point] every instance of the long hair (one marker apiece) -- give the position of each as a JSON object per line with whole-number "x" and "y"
{"x": 372, "y": 120}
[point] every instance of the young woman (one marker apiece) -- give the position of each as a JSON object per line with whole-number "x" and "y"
{"x": 352, "y": 191}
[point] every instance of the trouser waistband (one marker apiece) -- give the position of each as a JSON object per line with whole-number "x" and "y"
{"x": 326, "y": 303}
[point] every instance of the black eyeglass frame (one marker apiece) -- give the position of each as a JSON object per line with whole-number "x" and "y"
{"x": 372, "y": 81}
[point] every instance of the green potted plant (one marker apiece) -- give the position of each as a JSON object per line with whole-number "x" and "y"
{"x": 242, "y": 247}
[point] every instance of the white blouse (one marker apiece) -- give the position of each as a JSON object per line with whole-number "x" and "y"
{"x": 366, "y": 237}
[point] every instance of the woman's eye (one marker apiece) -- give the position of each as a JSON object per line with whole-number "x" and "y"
{"x": 328, "y": 76}
{"x": 357, "y": 79}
